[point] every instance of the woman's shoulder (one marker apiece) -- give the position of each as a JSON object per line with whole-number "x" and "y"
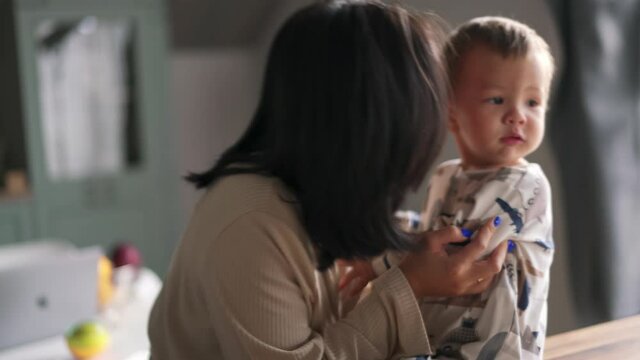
{"x": 239, "y": 195}
{"x": 251, "y": 187}
{"x": 241, "y": 211}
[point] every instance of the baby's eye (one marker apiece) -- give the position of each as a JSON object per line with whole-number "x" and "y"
{"x": 496, "y": 100}
{"x": 533, "y": 103}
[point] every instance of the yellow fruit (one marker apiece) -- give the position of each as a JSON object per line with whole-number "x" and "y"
{"x": 87, "y": 339}
{"x": 105, "y": 282}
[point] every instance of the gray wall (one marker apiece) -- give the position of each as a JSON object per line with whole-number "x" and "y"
{"x": 215, "y": 91}
{"x": 214, "y": 94}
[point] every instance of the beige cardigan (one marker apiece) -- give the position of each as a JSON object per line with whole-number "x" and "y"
{"x": 243, "y": 285}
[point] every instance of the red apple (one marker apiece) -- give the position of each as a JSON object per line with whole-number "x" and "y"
{"x": 126, "y": 254}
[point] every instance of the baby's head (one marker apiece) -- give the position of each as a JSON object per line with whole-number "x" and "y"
{"x": 500, "y": 73}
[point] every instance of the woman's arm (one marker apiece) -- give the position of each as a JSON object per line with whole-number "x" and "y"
{"x": 266, "y": 288}
{"x": 279, "y": 307}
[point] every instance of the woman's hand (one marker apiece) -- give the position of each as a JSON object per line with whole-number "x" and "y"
{"x": 432, "y": 271}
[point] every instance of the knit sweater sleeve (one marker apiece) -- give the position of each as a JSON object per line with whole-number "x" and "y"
{"x": 267, "y": 288}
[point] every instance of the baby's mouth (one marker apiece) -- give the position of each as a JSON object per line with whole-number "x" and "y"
{"x": 513, "y": 139}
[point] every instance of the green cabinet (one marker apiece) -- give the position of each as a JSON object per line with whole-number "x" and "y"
{"x": 87, "y": 124}
{"x": 15, "y": 220}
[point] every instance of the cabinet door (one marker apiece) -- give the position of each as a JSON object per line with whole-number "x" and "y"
{"x": 15, "y": 221}
{"x": 93, "y": 79}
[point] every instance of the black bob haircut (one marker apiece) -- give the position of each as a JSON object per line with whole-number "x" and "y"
{"x": 350, "y": 118}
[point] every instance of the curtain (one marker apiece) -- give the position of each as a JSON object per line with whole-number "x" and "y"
{"x": 594, "y": 128}
{"x": 82, "y": 69}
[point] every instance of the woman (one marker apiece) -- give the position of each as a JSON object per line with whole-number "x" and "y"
{"x": 350, "y": 119}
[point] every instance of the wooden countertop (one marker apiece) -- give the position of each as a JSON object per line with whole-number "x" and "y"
{"x": 618, "y": 339}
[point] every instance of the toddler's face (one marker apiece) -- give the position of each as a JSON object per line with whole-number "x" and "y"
{"x": 498, "y": 107}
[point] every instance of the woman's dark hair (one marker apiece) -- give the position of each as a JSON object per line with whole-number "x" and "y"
{"x": 351, "y": 117}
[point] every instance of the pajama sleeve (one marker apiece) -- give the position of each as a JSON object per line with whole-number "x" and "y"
{"x": 512, "y": 324}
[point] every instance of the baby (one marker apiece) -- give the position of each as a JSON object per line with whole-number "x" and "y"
{"x": 501, "y": 73}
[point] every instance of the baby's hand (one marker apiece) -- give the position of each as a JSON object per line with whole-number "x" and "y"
{"x": 357, "y": 275}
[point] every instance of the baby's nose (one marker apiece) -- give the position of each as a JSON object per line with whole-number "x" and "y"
{"x": 515, "y": 116}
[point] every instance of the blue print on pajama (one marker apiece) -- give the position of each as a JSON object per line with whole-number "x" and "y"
{"x": 523, "y": 300}
{"x": 514, "y": 214}
{"x": 547, "y": 245}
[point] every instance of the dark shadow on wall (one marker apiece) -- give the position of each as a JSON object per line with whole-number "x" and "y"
{"x": 595, "y": 132}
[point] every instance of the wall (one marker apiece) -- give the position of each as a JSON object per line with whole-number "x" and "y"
{"x": 214, "y": 95}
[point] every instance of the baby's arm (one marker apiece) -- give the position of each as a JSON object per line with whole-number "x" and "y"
{"x": 355, "y": 278}
{"x": 530, "y": 263}
{"x": 409, "y": 222}
{"x": 513, "y": 321}
{"x": 358, "y": 273}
